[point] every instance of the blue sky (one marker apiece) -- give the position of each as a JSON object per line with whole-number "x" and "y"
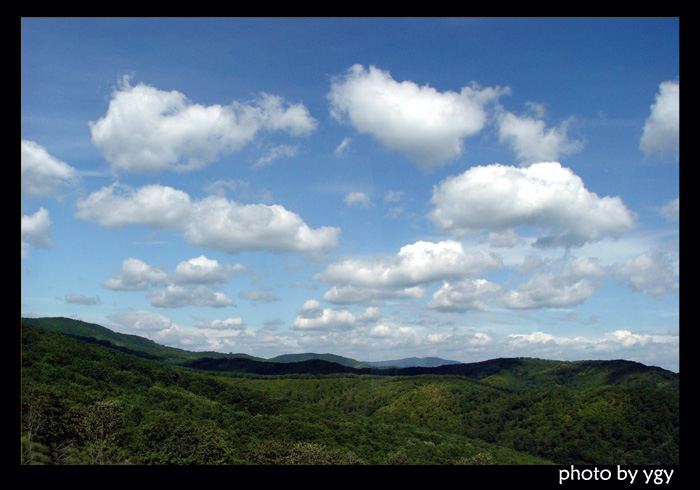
{"x": 374, "y": 188}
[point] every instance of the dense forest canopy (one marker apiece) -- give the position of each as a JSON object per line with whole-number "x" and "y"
{"x": 92, "y": 396}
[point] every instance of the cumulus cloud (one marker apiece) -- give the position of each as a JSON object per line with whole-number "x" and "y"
{"x": 461, "y": 296}
{"x": 311, "y": 316}
{"x": 118, "y": 205}
{"x": 661, "y": 134}
{"x": 142, "y": 321}
{"x": 232, "y": 227}
{"x": 498, "y": 198}
{"x": 191, "y": 284}
{"x": 567, "y": 282}
{"x": 213, "y": 222}
{"x": 178, "y": 296}
{"x": 404, "y": 275}
{"x": 426, "y": 125}
{"x": 531, "y": 141}
{"x": 36, "y": 231}
{"x": 136, "y": 275}
{"x": 149, "y": 130}
{"x": 201, "y": 270}
{"x": 650, "y": 273}
{"x": 42, "y": 174}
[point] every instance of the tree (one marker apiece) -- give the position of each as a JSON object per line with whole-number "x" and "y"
{"x": 97, "y": 424}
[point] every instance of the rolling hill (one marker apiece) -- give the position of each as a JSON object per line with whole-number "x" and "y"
{"x": 91, "y": 396}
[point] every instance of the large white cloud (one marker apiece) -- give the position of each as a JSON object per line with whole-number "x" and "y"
{"x": 149, "y": 130}
{"x": 232, "y": 227}
{"x": 546, "y": 195}
{"x": 43, "y": 174}
{"x": 661, "y": 136}
{"x": 404, "y": 275}
{"x": 118, "y": 205}
{"x": 419, "y": 121}
{"x": 213, "y": 222}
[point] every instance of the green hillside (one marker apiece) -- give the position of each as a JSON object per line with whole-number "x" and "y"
{"x": 132, "y": 344}
{"x": 86, "y": 402}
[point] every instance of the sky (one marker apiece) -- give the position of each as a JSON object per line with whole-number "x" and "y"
{"x": 465, "y": 188}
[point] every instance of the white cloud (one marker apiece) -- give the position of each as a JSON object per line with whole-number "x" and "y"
{"x": 258, "y": 296}
{"x": 461, "y": 296}
{"x": 178, "y": 296}
{"x": 136, "y": 275}
{"x": 312, "y": 317}
{"x": 671, "y": 211}
{"x": 530, "y": 140}
{"x": 342, "y": 148}
{"x": 81, "y": 299}
{"x": 419, "y": 121}
{"x": 227, "y": 324}
{"x": 620, "y": 344}
{"x": 201, "y": 270}
{"x": 142, "y": 321}
{"x": 357, "y": 199}
{"x": 550, "y": 290}
{"x": 42, "y": 174}
{"x": 154, "y": 205}
{"x": 36, "y": 231}
{"x": 650, "y": 273}
{"x": 563, "y": 283}
{"x": 499, "y": 198}
{"x": 190, "y": 285}
{"x": 404, "y": 275}
{"x": 231, "y": 227}
{"x": 275, "y": 153}
{"x": 150, "y": 130}
{"x": 213, "y": 222}
{"x": 661, "y": 136}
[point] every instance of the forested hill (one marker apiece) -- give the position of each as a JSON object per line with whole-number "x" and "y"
{"x": 502, "y": 372}
{"x": 123, "y": 400}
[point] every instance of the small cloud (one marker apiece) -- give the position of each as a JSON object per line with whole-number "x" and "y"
{"x": 342, "y": 148}
{"x": 357, "y": 199}
{"x": 81, "y": 299}
{"x": 36, "y": 231}
{"x": 274, "y": 154}
{"x": 42, "y": 174}
{"x": 671, "y": 211}
{"x": 227, "y": 324}
{"x": 258, "y": 296}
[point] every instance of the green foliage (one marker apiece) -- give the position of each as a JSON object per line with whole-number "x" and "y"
{"x": 85, "y": 402}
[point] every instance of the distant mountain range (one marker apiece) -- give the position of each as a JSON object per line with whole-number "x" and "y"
{"x": 414, "y": 362}
{"x": 145, "y": 348}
